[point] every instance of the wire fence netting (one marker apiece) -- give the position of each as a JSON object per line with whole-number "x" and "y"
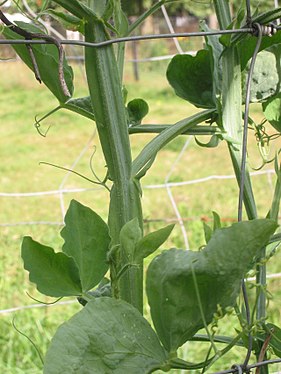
{"x": 173, "y": 191}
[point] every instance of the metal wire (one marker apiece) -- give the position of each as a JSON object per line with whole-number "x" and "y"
{"x": 131, "y": 38}
{"x": 235, "y": 369}
{"x": 243, "y": 177}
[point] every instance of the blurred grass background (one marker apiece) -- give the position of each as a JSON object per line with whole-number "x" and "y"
{"x": 21, "y": 151}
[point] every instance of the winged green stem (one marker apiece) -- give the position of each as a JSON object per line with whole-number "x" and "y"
{"x": 223, "y": 13}
{"x": 109, "y": 111}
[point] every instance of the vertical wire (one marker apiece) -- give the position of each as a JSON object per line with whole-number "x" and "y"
{"x": 171, "y": 29}
{"x": 242, "y": 179}
{"x": 276, "y": 5}
{"x": 171, "y": 197}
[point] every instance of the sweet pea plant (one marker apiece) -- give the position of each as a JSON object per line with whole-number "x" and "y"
{"x": 101, "y": 263}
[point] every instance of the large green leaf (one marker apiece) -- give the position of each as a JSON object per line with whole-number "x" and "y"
{"x": 266, "y": 75}
{"x": 191, "y": 77}
{"x": 55, "y": 274}
{"x": 47, "y": 59}
{"x": 151, "y": 242}
{"x": 183, "y": 285}
{"x": 272, "y": 111}
{"x": 87, "y": 241}
{"x": 107, "y": 336}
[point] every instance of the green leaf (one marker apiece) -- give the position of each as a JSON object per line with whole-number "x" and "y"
{"x": 275, "y": 205}
{"x": 272, "y": 111}
{"x": 67, "y": 20}
{"x": 55, "y": 274}
{"x": 76, "y": 8}
{"x": 151, "y": 242}
{"x": 137, "y": 110}
{"x": 266, "y": 75}
{"x": 215, "y": 49}
{"x": 107, "y": 336}
{"x": 82, "y": 106}
{"x": 191, "y": 77}
{"x": 208, "y": 232}
{"x": 47, "y": 59}
{"x": 183, "y": 285}
{"x": 130, "y": 234}
{"x": 87, "y": 241}
{"x": 275, "y": 339}
{"x": 146, "y": 157}
{"x": 212, "y": 143}
{"x": 103, "y": 8}
{"x": 247, "y": 46}
{"x": 217, "y": 221}
{"x": 120, "y": 19}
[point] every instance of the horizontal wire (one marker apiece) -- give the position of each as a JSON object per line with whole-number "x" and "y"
{"x": 131, "y": 38}
{"x": 152, "y": 186}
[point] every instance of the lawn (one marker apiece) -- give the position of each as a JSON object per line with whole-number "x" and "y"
{"x": 21, "y": 151}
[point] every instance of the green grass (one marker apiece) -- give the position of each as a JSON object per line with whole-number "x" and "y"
{"x": 21, "y": 151}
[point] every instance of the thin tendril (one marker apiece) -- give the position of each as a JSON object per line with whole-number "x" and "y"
{"x": 43, "y": 302}
{"x": 74, "y": 172}
{"x": 29, "y": 339}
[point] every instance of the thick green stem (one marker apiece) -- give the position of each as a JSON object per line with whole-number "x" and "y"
{"x": 106, "y": 94}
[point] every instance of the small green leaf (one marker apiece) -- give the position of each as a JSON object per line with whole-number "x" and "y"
{"x": 75, "y": 7}
{"x": 55, "y": 274}
{"x": 107, "y": 336}
{"x": 208, "y": 232}
{"x": 212, "y": 143}
{"x": 183, "y": 285}
{"x": 82, "y": 106}
{"x": 137, "y": 110}
{"x": 102, "y": 9}
{"x": 217, "y": 221}
{"x": 151, "y": 242}
{"x": 120, "y": 19}
{"x": 130, "y": 234}
{"x": 87, "y": 241}
{"x": 69, "y": 21}
{"x": 275, "y": 339}
{"x": 275, "y": 205}
{"x": 47, "y": 59}
{"x": 145, "y": 159}
{"x": 272, "y": 111}
{"x": 191, "y": 77}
